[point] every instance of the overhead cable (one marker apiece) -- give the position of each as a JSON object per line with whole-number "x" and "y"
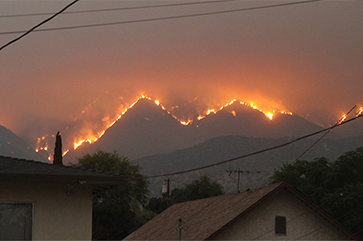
{"x": 326, "y": 133}
{"x": 256, "y": 152}
{"x": 38, "y": 25}
{"x": 165, "y": 18}
{"x": 116, "y": 9}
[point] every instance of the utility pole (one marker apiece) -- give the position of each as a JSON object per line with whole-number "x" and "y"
{"x": 168, "y": 197}
{"x": 239, "y": 171}
{"x": 167, "y": 181}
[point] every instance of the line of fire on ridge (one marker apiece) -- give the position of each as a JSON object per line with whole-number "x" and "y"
{"x": 91, "y": 140}
{"x": 96, "y": 137}
{"x": 183, "y": 122}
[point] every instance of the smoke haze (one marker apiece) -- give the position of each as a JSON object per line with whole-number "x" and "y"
{"x": 304, "y": 58}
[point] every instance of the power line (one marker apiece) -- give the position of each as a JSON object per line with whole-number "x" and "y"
{"x": 38, "y": 25}
{"x": 256, "y": 152}
{"x": 326, "y": 133}
{"x": 165, "y": 18}
{"x": 115, "y": 9}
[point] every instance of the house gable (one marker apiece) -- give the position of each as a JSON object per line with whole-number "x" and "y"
{"x": 247, "y": 215}
{"x": 259, "y": 223}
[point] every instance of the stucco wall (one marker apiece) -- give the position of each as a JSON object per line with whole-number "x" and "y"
{"x": 302, "y": 222}
{"x": 56, "y": 216}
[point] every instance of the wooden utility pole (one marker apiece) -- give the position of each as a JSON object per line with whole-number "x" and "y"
{"x": 167, "y": 192}
{"x": 239, "y": 171}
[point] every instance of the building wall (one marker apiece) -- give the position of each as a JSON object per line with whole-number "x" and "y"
{"x": 302, "y": 222}
{"x": 56, "y": 216}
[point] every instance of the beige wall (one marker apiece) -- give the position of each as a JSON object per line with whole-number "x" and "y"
{"x": 55, "y": 215}
{"x": 259, "y": 224}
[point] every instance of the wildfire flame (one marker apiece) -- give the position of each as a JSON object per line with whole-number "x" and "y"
{"x": 360, "y": 112}
{"x": 344, "y": 117}
{"x": 91, "y": 138}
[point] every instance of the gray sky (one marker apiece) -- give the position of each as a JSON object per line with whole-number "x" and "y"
{"x": 305, "y": 58}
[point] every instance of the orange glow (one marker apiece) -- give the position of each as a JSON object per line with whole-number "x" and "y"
{"x": 360, "y": 112}
{"x": 344, "y": 117}
{"x": 186, "y": 122}
{"x": 269, "y": 115}
{"x": 91, "y": 138}
{"x": 91, "y": 135}
{"x": 64, "y": 153}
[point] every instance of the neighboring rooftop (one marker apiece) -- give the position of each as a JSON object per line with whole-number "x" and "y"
{"x": 204, "y": 218}
{"x": 21, "y": 170}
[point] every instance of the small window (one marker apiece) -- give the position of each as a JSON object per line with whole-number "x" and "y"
{"x": 16, "y": 221}
{"x": 280, "y": 225}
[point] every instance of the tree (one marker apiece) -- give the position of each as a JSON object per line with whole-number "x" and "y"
{"x": 337, "y": 186}
{"x": 119, "y": 211}
{"x": 197, "y": 189}
{"x": 58, "y": 155}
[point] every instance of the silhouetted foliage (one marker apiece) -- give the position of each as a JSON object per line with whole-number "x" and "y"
{"x": 337, "y": 186}
{"x": 119, "y": 211}
{"x": 157, "y": 204}
{"x": 197, "y": 189}
{"x": 58, "y": 155}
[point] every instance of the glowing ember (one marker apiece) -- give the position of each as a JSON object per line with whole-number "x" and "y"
{"x": 186, "y": 122}
{"x": 360, "y": 112}
{"x": 269, "y": 115}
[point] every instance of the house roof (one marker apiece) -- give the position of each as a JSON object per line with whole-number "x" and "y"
{"x": 21, "y": 170}
{"x": 206, "y": 217}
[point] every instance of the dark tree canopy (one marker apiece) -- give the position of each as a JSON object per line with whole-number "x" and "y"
{"x": 58, "y": 155}
{"x": 197, "y": 189}
{"x": 118, "y": 211}
{"x": 336, "y": 186}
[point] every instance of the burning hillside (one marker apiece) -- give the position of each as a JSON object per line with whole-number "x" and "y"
{"x": 82, "y": 131}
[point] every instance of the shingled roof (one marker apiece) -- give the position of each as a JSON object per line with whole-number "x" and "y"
{"x": 21, "y": 170}
{"x": 206, "y": 217}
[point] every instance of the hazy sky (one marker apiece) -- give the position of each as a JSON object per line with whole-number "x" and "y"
{"x": 304, "y": 58}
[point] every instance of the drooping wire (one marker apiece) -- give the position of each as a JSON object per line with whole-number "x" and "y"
{"x": 326, "y": 133}
{"x": 38, "y": 25}
{"x": 165, "y": 18}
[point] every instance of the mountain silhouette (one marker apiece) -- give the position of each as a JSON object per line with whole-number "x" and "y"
{"x": 13, "y": 146}
{"x": 256, "y": 169}
{"x": 146, "y": 129}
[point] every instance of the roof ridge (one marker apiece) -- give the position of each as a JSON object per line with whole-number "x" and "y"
{"x": 60, "y": 166}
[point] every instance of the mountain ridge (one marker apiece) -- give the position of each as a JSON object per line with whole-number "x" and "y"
{"x": 148, "y": 129}
{"x": 222, "y": 154}
{"x": 13, "y": 146}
